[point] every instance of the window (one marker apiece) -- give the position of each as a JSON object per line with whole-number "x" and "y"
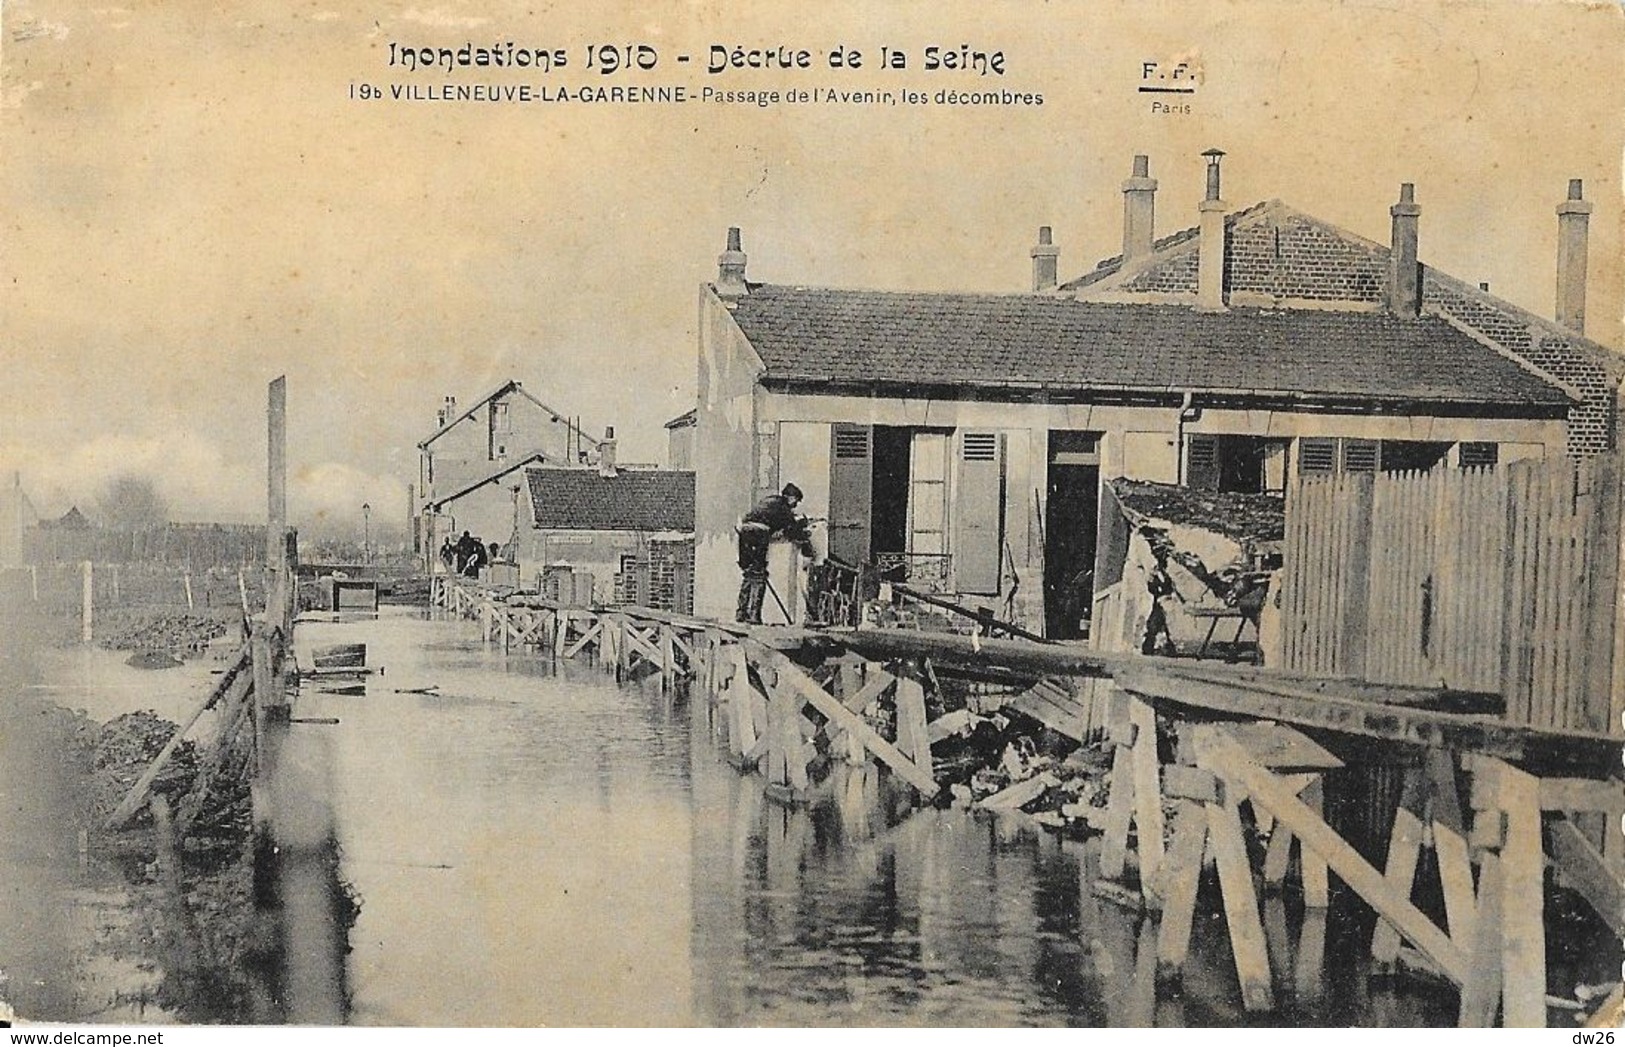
{"x": 1479, "y": 455}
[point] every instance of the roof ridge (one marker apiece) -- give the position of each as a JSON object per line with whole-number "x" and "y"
{"x": 1608, "y": 359}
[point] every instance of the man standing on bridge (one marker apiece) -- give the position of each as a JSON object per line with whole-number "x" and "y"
{"x": 774, "y": 515}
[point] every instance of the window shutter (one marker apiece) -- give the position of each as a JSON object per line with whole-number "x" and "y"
{"x": 1359, "y": 456}
{"x": 1317, "y": 454}
{"x": 978, "y": 514}
{"x": 1202, "y": 462}
{"x": 851, "y": 479}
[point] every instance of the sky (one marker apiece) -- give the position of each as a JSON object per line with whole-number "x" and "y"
{"x": 196, "y": 199}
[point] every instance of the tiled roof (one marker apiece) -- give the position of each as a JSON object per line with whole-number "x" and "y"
{"x": 631, "y": 500}
{"x": 1057, "y": 343}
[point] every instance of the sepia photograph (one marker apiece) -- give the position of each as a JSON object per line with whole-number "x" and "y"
{"x": 907, "y": 515}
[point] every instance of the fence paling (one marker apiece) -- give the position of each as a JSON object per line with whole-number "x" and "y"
{"x": 1503, "y": 580}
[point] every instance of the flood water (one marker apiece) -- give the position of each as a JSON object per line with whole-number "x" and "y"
{"x": 535, "y": 844}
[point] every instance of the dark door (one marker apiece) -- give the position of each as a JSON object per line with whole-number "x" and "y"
{"x": 1070, "y": 521}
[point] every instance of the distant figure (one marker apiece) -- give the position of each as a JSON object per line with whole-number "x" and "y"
{"x": 776, "y": 514}
{"x": 470, "y": 552}
{"x": 495, "y": 553}
{"x": 448, "y": 554}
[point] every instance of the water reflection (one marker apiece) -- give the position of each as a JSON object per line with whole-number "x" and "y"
{"x": 533, "y": 844}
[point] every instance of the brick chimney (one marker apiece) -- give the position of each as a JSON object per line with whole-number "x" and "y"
{"x": 1139, "y": 210}
{"x": 1405, "y": 272}
{"x": 1573, "y": 218}
{"x": 731, "y": 268}
{"x": 1210, "y": 245}
{"x": 606, "y": 453}
{"x": 1044, "y": 260}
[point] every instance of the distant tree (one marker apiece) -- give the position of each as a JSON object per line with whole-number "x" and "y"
{"x": 132, "y": 503}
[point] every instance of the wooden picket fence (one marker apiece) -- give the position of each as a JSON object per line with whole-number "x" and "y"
{"x": 1501, "y": 580}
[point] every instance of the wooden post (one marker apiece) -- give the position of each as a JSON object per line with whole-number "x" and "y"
{"x": 1523, "y": 941}
{"x": 242, "y": 591}
{"x": 186, "y": 579}
{"x": 1147, "y": 796}
{"x": 1481, "y": 991}
{"x": 276, "y": 488}
{"x": 88, "y": 602}
{"x": 912, "y": 737}
{"x": 1247, "y": 943}
{"x": 668, "y": 660}
{"x": 1183, "y": 866}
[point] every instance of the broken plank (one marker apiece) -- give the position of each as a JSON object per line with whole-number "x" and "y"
{"x": 1020, "y": 793}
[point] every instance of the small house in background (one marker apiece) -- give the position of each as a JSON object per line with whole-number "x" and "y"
{"x": 962, "y": 441}
{"x": 631, "y": 531}
{"x": 473, "y": 445}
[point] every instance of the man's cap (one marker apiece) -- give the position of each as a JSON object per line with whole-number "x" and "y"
{"x": 792, "y": 491}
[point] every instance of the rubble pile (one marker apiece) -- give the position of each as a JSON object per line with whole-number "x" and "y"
{"x": 177, "y": 633}
{"x": 1248, "y": 519}
{"x": 124, "y": 747}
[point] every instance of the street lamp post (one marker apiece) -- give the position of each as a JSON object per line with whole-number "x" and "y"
{"x": 366, "y": 533}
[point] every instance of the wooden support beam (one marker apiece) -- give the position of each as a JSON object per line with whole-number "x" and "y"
{"x": 1014, "y": 796}
{"x": 1481, "y": 989}
{"x": 1523, "y": 942}
{"x": 912, "y": 737}
{"x": 1119, "y": 815}
{"x": 873, "y": 689}
{"x": 843, "y": 717}
{"x": 1588, "y": 873}
{"x": 1404, "y": 847}
{"x": 593, "y": 632}
{"x": 1146, "y": 768}
{"x": 1582, "y": 794}
{"x": 1181, "y": 876}
{"x": 1227, "y": 759}
{"x": 1247, "y": 944}
{"x": 1456, "y": 878}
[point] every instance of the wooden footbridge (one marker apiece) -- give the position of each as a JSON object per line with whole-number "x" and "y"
{"x": 1224, "y": 748}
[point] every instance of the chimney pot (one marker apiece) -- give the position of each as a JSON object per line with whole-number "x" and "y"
{"x": 1139, "y": 210}
{"x": 1210, "y": 243}
{"x": 1404, "y": 268}
{"x": 1213, "y": 158}
{"x": 1044, "y": 257}
{"x": 1573, "y": 234}
{"x": 731, "y": 268}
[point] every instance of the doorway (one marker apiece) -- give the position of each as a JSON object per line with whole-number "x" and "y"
{"x": 1071, "y": 517}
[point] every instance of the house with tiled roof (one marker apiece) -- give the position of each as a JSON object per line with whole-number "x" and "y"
{"x": 479, "y": 445}
{"x": 616, "y": 527}
{"x": 962, "y": 440}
